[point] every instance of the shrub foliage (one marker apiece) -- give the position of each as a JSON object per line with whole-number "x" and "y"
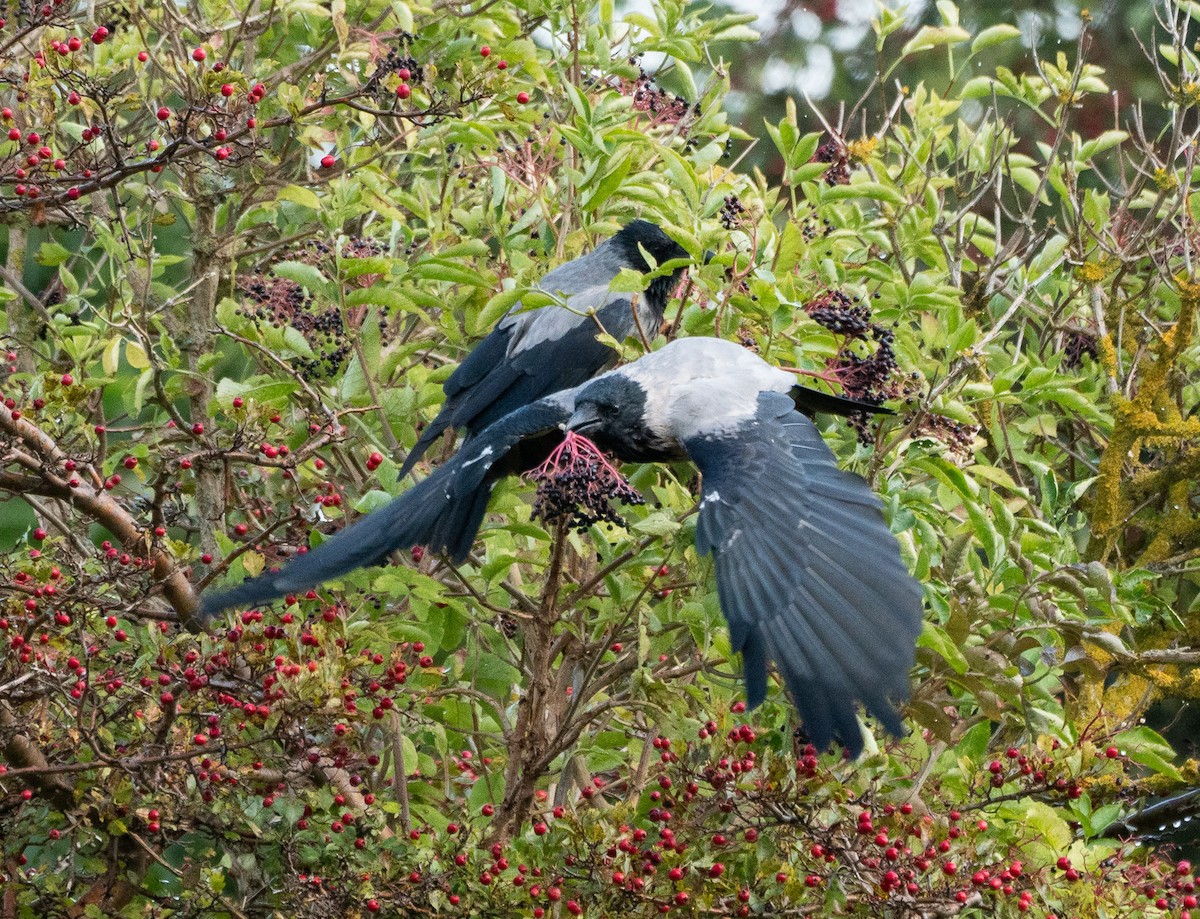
{"x": 246, "y": 242}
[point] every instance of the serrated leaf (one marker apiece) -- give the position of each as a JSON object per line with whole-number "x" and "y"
{"x": 51, "y": 253}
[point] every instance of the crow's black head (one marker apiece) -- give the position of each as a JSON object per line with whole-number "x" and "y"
{"x": 650, "y": 237}
{"x": 611, "y": 410}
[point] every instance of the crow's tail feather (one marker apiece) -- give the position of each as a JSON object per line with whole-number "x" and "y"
{"x": 415, "y": 518}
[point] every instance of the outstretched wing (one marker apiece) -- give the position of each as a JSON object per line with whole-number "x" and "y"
{"x": 529, "y": 356}
{"x": 442, "y": 512}
{"x": 808, "y": 573}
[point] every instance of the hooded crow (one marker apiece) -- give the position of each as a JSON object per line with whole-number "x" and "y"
{"x": 534, "y": 353}
{"x": 808, "y": 573}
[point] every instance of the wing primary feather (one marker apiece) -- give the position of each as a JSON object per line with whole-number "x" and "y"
{"x": 808, "y": 573}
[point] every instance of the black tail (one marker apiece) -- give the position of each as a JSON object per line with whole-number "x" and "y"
{"x": 434, "y": 513}
{"x": 813, "y": 401}
{"x": 442, "y": 512}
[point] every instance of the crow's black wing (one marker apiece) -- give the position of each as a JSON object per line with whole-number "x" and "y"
{"x": 526, "y": 358}
{"x": 443, "y": 511}
{"x": 808, "y": 573}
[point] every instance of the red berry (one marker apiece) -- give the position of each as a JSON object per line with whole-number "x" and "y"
{"x": 99, "y": 35}
{"x": 226, "y": 90}
{"x": 327, "y": 161}
{"x": 522, "y": 97}
{"x": 403, "y": 91}
{"x": 164, "y": 113}
{"x": 485, "y": 51}
{"x": 503, "y": 65}
{"x": 404, "y": 74}
{"x": 143, "y": 57}
{"x": 198, "y": 55}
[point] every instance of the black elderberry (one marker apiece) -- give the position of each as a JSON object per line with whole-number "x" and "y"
{"x": 577, "y": 484}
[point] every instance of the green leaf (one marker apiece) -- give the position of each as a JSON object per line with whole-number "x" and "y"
{"x": 933, "y": 37}
{"x": 936, "y": 639}
{"x": 51, "y": 253}
{"x": 438, "y": 270}
{"x": 660, "y": 523}
{"x": 307, "y": 276}
{"x": 609, "y": 184}
{"x": 873, "y": 190}
{"x": 297, "y": 194}
{"x": 1148, "y": 748}
{"x": 994, "y": 35}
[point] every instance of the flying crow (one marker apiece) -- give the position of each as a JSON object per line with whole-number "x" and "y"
{"x": 808, "y": 573}
{"x": 534, "y": 353}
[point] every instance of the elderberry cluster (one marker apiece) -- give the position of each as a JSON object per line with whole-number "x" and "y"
{"x": 281, "y": 302}
{"x": 731, "y": 212}
{"x": 959, "y": 438}
{"x": 838, "y": 313}
{"x": 873, "y": 377}
{"x": 1078, "y": 344}
{"x": 834, "y": 153}
{"x": 648, "y": 97}
{"x": 577, "y": 484}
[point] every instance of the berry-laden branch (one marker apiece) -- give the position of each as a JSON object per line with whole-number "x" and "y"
{"x": 47, "y": 463}
{"x": 577, "y": 483}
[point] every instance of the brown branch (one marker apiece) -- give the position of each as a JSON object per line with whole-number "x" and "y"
{"x": 96, "y": 504}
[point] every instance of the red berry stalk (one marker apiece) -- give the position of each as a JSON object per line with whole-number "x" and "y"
{"x": 577, "y": 483}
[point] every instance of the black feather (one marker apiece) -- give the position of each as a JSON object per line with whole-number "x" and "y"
{"x": 500, "y": 376}
{"x": 808, "y": 573}
{"x": 443, "y": 511}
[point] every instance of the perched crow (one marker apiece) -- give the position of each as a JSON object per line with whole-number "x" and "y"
{"x": 808, "y": 573}
{"x": 535, "y": 353}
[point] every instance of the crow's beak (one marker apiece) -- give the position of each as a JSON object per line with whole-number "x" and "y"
{"x": 709, "y": 255}
{"x": 584, "y": 418}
